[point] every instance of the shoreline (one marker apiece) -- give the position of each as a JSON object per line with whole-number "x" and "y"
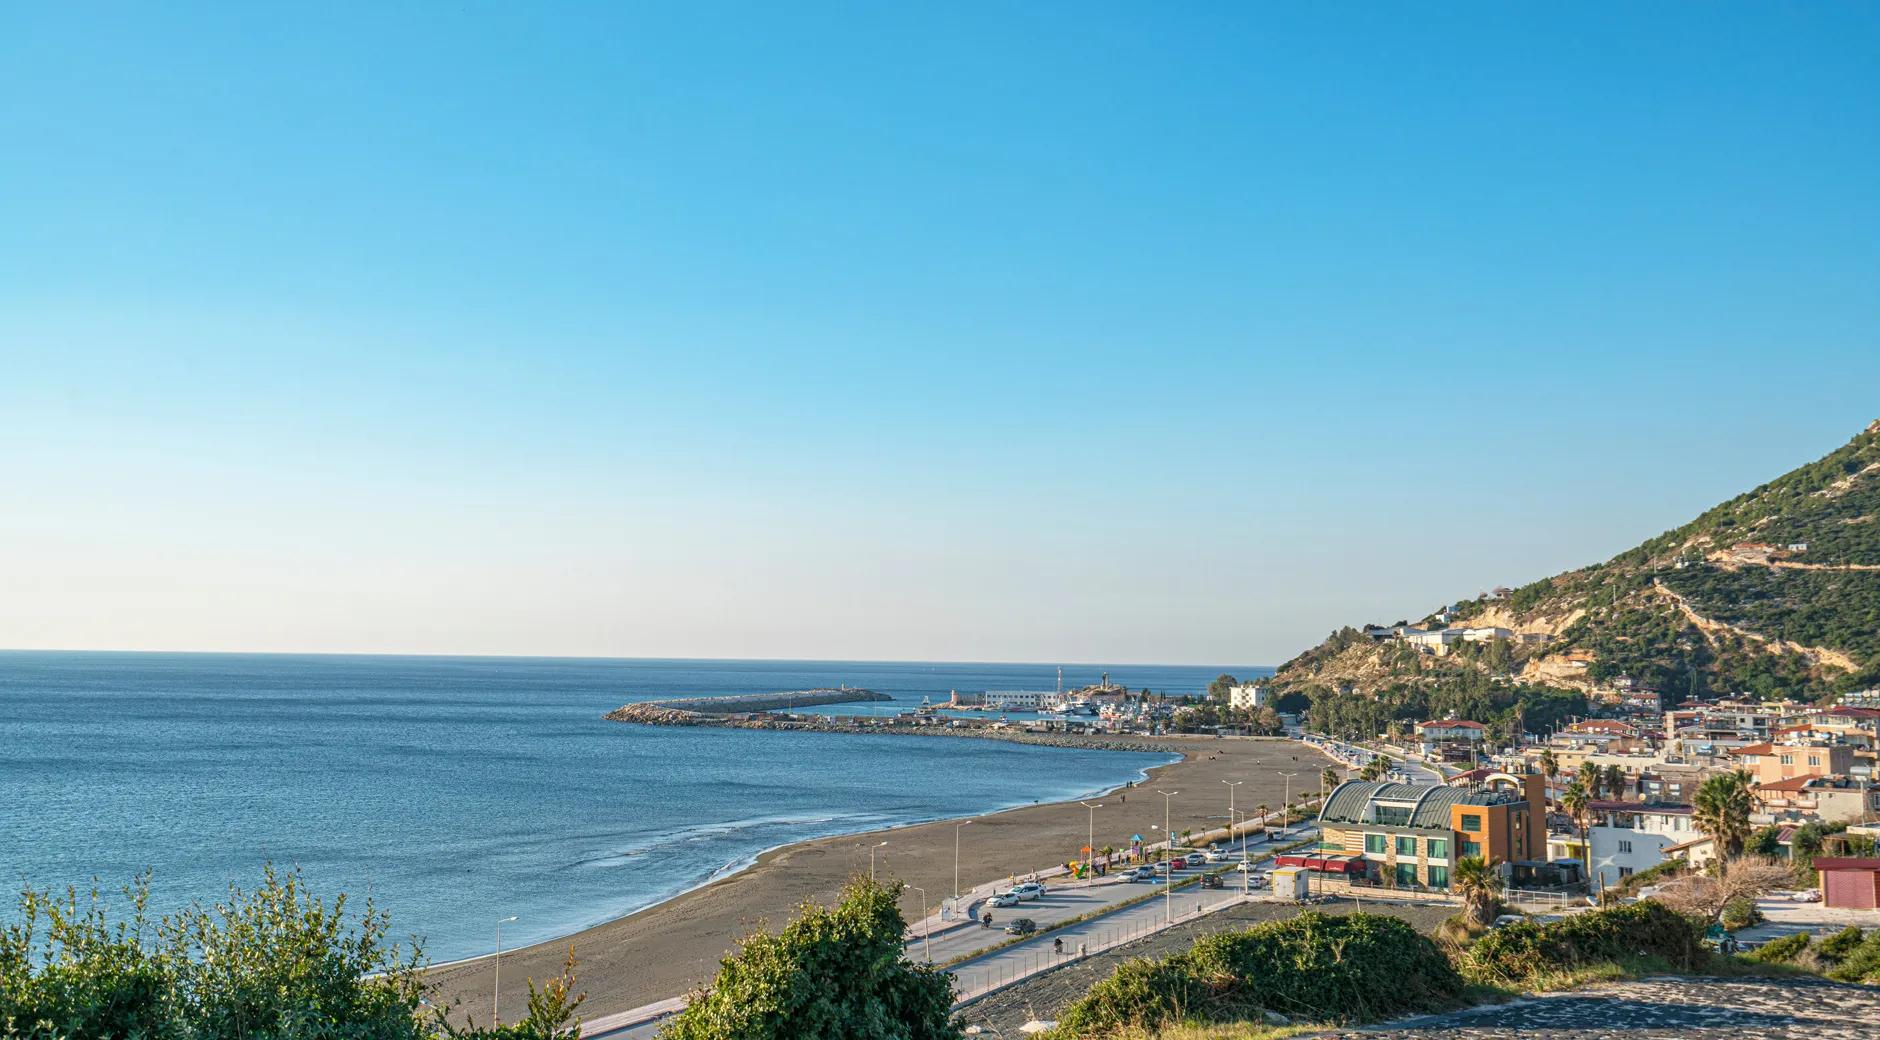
{"x": 739, "y": 866}
{"x": 668, "y": 948}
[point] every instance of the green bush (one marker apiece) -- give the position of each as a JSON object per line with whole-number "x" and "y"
{"x": 835, "y": 973}
{"x": 1780, "y": 951}
{"x": 274, "y": 964}
{"x": 1741, "y": 912}
{"x": 1837, "y": 947}
{"x": 1522, "y": 953}
{"x": 1354, "y": 968}
{"x": 1861, "y": 964}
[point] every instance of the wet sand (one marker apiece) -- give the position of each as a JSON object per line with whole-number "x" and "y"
{"x": 674, "y": 947}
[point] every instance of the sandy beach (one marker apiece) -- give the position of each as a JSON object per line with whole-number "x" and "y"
{"x": 671, "y": 948}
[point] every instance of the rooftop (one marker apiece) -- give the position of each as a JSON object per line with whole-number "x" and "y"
{"x": 1354, "y": 802}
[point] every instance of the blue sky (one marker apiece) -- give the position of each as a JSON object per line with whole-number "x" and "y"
{"x": 1081, "y": 332}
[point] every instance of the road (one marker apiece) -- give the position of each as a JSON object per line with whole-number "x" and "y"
{"x": 1114, "y": 919}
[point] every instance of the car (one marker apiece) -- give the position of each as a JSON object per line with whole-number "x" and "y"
{"x": 1029, "y": 890}
{"x": 1178, "y": 863}
{"x": 1807, "y": 895}
{"x": 1507, "y": 919}
{"x": 1022, "y": 926}
{"x": 1005, "y": 899}
{"x": 1215, "y": 856}
{"x": 1212, "y": 881}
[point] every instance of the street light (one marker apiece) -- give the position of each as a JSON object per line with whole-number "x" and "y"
{"x": 1231, "y": 784}
{"x": 871, "y": 858}
{"x": 926, "y": 926}
{"x": 496, "y": 995}
{"x": 1286, "y": 827}
{"x": 956, "y": 862}
{"x": 1169, "y": 839}
{"x": 1090, "y": 841}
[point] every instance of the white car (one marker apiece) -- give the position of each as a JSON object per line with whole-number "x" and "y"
{"x": 1214, "y": 856}
{"x": 1029, "y": 890}
{"x": 1004, "y": 899}
{"x": 1806, "y": 895}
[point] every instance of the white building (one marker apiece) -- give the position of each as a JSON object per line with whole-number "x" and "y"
{"x": 1628, "y": 837}
{"x": 1436, "y": 640}
{"x": 1487, "y": 634}
{"x": 1247, "y": 697}
{"x": 1022, "y": 700}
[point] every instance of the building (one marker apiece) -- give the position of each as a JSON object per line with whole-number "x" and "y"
{"x": 1020, "y": 700}
{"x": 1247, "y": 697}
{"x": 1770, "y": 763}
{"x": 1849, "y": 883}
{"x": 1435, "y": 640}
{"x": 1627, "y": 837}
{"x": 1410, "y": 835}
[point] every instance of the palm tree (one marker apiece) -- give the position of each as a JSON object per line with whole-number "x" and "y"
{"x": 1721, "y": 810}
{"x": 1615, "y": 781}
{"x": 1479, "y": 886}
{"x": 1578, "y": 805}
{"x": 1590, "y": 779}
{"x": 1328, "y": 779}
{"x": 1550, "y": 766}
{"x": 1262, "y": 810}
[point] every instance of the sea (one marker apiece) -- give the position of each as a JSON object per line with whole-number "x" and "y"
{"x": 457, "y": 791}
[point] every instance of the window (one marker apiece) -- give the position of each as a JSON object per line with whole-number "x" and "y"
{"x": 1471, "y": 848}
{"x": 1471, "y": 821}
{"x": 1377, "y": 843}
{"x": 1625, "y": 848}
{"x": 1439, "y": 877}
{"x": 1814, "y": 760}
{"x": 1406, "y": 874}
{"x": 1439, "y": 848}
{"x": 1788, "y": 760}
{"x": 1393, "y": 815}
{"x": 1625, "y": 872}
{"x": 1406, "y": 845}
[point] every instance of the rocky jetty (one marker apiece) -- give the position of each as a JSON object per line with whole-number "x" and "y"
{"x": 705, "y": 711}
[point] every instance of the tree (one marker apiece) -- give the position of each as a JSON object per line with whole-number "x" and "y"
{"x": 1578, "y": 805}
{"x": 1479, "y": 886}
{"x": 1217, "y": 690}
{"x": 1328, "y": 779}
{"x": 1708, "y": 895}
{"x": 1591, "y": 778}
{"x": 1615, "y": 781}
{"x": 1262, "y": 809}
{"x": 835, "y": 972}
{"x": 1374, "y": 769}
{"x": 1721, "y": 810}
{"x": 1550, "y": 766}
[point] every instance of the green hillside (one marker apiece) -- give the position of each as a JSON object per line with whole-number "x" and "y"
{"x": 1773, "y": 593}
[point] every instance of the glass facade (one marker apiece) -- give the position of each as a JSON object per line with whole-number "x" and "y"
{"x": 1406, "y": 845}
{"x": 1377, "y": 843}
{"x": 1439, "y": 848}
{"x": 1406, "y": 874}
{"x": 1439, "y": 877}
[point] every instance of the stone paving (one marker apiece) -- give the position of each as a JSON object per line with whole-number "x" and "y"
{"x": 1694, "y": 1008}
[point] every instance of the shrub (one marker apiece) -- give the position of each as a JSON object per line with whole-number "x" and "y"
{"x": 1836, "y": 948}
{"x": 1740, "y": 912}
{"x": 1354, "y": 968}
{"x": 1521, "y": 953}
{"x": 836, "y": 972}
{"x": 1780, "y": 951}
{"x": 1861, "y": 963}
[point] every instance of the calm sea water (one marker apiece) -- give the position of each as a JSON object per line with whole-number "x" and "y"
{"x": 455, "y": 791}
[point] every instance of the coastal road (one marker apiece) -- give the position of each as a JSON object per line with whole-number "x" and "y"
{"x": 1110, "y": 923}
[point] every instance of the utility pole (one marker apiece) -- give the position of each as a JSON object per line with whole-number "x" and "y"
{"x": 1286, "y": 825}
{"x": 1090, "y": 842}
{"x": 956, "y": 863}
{"x": 496, "y": 991}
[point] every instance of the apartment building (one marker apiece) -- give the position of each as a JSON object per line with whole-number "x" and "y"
{"x": 1410, "y": 835}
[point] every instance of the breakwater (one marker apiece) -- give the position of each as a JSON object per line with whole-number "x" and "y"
{"x": 674, "y": 711}
{"x": 662, "y": 713}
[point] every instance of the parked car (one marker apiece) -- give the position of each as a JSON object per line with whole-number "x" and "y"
{"x": 1022, "y": 926}
{"x": 1211, "y": 881}
{"x": 1807, "y": 895}
{"x": 1178, "y": 863}
{"x": 1005, "y": 899}
{"x": 1215, "y": 855}
{"x": 1507, "y": 919}
{"x": 1029, "y": 890}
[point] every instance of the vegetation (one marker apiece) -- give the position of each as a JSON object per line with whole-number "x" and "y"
{"x": 1524, "y": 954}
{"x": 277, "y": 963}
{"x": 1355, "y": 968}
{"x": 1480, "y": 888}
{"x": 835, "y": 972}
{"x": 1721, "y": 810}
{"x": 1683, "y": 613}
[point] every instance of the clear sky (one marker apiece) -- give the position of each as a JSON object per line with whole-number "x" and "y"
{"x": 1133, "y": 332}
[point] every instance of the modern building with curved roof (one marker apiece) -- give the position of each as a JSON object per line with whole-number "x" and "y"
{"x": 1411, "y": 834}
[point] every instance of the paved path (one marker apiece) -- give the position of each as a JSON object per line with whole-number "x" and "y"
{"x": 979, "y": 975}
{"x": 1689, "y": 1009}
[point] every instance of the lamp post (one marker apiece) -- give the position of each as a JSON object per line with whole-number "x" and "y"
{"x": 926, "y": 926}
{"x": 1286, "y": 827}
{"x": 1090, "y": 841}
{"x": 1168, "y": 837}
{"x": 1231, "y": 784}
{"x": 871, "y": 858}
{"x": 496, "y": 993}
{"x": 956, "y": 862}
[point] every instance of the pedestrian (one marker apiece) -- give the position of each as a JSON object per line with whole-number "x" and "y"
{"x": 1083, "y": 949}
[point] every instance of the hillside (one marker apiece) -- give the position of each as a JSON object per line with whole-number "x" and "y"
{"x": 1773, "y": 593}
